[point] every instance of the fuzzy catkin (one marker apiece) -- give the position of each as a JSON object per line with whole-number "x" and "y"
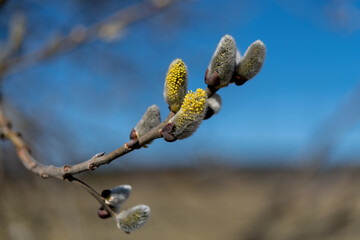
{"x": 190, "y": 115}
{"x": 149, "y": 120}
{"x": 224, "y": 60}
{"x": 251, "y": 63}
{"x": 133, "y": 218}
{"x": 118, "y": 195}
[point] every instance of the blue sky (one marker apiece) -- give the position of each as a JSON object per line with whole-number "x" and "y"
{"x": 312, "y": 64}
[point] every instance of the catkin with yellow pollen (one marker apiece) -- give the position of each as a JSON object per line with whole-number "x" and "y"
{"x": 175, "y": 84}
{"x": 190, "y": 115}
{"x": 133, "y": 218}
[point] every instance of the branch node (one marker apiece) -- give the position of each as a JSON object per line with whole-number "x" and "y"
{"x": 132, "y": 144}
{"x": 66, "y": 168}
{"x": 92, "y": 166}
{"x": 127, "y": 146}
{"x": 44, "y": 175}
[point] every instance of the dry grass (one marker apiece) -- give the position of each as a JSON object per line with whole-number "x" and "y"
{"x": 211, "y": 205}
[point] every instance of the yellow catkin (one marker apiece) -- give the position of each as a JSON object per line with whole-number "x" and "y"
{"x": 175, "y": 84}
{"x": 134, "y": 218}
{"x": 192, "y": 107}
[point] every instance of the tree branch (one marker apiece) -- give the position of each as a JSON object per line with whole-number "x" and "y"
{"x": 66, "y": 171}
{"x": 79, "y": 35}
{"x": 112, "y": 25}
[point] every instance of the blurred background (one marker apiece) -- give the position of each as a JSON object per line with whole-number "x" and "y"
{"x": 280, "y": 160}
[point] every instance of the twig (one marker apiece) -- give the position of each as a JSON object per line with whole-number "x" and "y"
{"x": 316, "y": 154}
{"x": 76, "y": 37}
{"x": 93, "y": 193}
{"x": 64, "y": 172}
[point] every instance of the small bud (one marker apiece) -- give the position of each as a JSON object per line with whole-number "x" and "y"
{"x": 167, "y": 132}
{"x": 99, "y": 154}
{"x": 222, "y": 64}
{"x": 106, "y": 193}
{"x": 116, "y": 196}
{"x": 133, "y": 134}
{"x": 111, "y": 31}
{"x": 188, "y": 118}
{"x": 133, "y": 218}
{"x": 213, "y": 105}
{"x": 103, "y": 214}
{"x": 251, "y": 63}
{"x": 149, "y": 120}
{"x": 175, "y": 84}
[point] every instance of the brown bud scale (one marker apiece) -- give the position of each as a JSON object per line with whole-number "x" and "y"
{"x": 133, "y": 134}
{"x": 103, "y": 214}
{"x": 167, "y": 132}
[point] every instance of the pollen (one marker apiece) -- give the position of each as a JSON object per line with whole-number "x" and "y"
{"x": 176, "y": 83}
{"x": 133, "y": 219}
{"x": 192, "y": 107}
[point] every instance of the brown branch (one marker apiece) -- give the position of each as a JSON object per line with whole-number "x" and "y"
{"x": 108, "y": 27}
{"x": 66, "y": 171}
{"x": 76, "y": 37}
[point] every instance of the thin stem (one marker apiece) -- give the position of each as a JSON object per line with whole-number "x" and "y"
{"x": 93, "y": 193}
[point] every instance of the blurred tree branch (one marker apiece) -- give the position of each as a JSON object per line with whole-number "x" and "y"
{"x": 332, "y": 130}
{"x": 315, "y": 156}
{"x": 108, "y": 29}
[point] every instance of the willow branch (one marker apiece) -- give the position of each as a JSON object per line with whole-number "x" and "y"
{"x": 65, "y": 172}
{"x": 78, "y": 35}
